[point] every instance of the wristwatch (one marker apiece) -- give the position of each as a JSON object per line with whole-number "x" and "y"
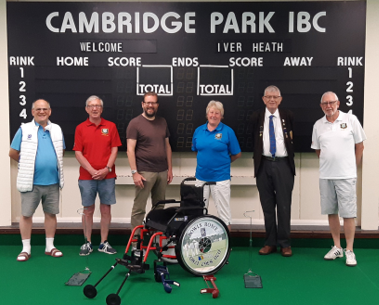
{"x": 134, "y": 171}
{"x": 109, "y": 169}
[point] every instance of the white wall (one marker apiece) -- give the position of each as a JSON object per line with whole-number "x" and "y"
{"x": 305, "y": 206}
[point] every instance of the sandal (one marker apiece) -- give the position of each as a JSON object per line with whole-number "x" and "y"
{"x": 23, "y": 257}
{"x": 54, "y": 253}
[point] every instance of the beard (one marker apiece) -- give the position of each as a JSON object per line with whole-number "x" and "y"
{"x": 149, "y": 115}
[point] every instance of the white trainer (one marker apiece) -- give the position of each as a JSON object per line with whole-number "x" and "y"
{"x": 334, "y": 253}
{"x": 350, "y": 258}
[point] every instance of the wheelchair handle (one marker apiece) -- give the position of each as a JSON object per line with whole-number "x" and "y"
{"x": 194, "y": 179}
{"x": 188, "y": 179}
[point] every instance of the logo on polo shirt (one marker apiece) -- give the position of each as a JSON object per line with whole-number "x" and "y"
{"x": 218, "y": 136}
{"x": 105, "y": 131}
{"x": 343, "y": 125}
{"x": 29, "y": 136}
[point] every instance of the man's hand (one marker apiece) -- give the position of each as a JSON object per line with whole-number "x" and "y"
{"x": 170, "y": 176}
{"x": 100, "y": 174}
{"x": 138, "y": 180}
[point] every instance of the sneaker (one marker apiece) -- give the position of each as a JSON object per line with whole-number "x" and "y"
{"x": 334, "y": 253}
{"x": 350, "y": 258}
{"x": 106, "y": 248}
{"x": 86, "y": 249}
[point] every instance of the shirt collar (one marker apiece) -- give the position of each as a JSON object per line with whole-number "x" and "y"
{"x": 89, "y": 123}
{"x": 218, "y": 128}
{"x": 275, "y": 114}
{"x": 39, "y": 125}
{"x": 341, "y": 115}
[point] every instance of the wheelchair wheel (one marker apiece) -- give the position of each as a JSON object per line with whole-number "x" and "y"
{"x": 203, "y": 246}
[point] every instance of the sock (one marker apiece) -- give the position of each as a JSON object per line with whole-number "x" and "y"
{"x": 49, "y": 244}
{"x": 26, "y": 246}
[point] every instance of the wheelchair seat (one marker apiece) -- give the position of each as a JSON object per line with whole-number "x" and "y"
{"x": 170, "y": 220}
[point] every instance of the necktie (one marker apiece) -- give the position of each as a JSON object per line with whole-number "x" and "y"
{"x": 272, "y": 137}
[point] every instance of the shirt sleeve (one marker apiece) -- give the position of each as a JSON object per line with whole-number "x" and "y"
{"x": 315, "y": 144}
{"x": 193, "y": 147}
{"x": 78, "y": 145}
{"x": 167, "y": 131}
{"x": 64, "y": 144}
{"x": 234, "y": 146}
{"x": 115, "y": 137}
{"x": 131, "y": 131}
{"x": 16, "y": 142}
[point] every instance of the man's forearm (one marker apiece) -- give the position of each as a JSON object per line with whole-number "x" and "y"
{"x": 359, "y": 152}
{"x": 132, "y": 159}
{"x": 14, "y": 154}
{"x": 169, "y": 157}
{"x": 84, "y": 162}
{"x": 112, "y": 157}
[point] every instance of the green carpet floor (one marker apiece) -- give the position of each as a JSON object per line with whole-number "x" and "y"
{"x": 302, "y": 279}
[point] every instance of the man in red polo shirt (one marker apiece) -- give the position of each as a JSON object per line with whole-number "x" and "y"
{"x": 96, "y": 146}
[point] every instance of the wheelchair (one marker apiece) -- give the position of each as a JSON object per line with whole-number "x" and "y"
{"x": 184, "y": 234}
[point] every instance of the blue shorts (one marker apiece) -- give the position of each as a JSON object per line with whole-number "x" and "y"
{"x": 90, "y": 188}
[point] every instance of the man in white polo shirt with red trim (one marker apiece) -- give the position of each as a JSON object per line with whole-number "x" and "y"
{"x": 338, "y": 140}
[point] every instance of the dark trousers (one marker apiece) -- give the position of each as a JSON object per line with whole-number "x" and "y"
{"x": 275, "y": 183}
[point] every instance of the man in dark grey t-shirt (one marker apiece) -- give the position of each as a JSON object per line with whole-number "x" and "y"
{"x": 149, "y": 154}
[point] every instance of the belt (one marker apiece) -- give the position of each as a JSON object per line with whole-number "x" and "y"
{"x": 274, "y": 159}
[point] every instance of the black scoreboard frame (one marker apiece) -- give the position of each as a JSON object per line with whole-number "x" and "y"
{"x": 191, "y": 53}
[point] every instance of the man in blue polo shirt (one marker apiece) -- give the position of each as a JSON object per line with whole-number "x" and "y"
{"x": 38, "y": 147}
{"x": 216, "y": 146}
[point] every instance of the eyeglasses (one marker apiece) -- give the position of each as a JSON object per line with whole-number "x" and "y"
{"x": 274, "y": 97}
{"x": 41, "y": 109}
{"x": 150, "y": 103}
{"x": 331, "y": 103}
{"x": 94, "y": 106}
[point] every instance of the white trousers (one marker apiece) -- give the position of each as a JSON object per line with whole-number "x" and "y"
{"x": 221, "y": 197}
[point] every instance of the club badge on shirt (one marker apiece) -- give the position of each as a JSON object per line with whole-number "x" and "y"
{"x": 218, "y": 136}
{"x": 104, "y": 131}
{"x": 343, "y": 125}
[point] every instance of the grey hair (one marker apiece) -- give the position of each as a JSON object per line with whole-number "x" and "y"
{"x": 216, "y": 104}
{"x": 329, "y": 92}
{"x": 40, "y": 100}
{"x": 271, "y": 89}
{"x": 92, "y": 98}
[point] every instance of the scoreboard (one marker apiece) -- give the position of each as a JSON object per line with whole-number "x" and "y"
{"x": 189, "y": 53}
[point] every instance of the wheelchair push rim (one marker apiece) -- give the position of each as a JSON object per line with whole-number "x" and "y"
{"x": 203, "y": 246}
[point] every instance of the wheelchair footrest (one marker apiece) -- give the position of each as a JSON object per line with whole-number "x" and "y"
{"x": 162, "y": 275}
{"x": 214, "y": 291}
{"x": 133, "y": 267}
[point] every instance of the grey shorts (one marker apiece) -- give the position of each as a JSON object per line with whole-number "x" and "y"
{"x": 339, "y": 195}
{"x": 90, "y": 188}
{"x": 48, "y": 194}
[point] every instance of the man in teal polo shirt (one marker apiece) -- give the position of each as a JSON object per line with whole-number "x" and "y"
{"x": 38, "y": 146}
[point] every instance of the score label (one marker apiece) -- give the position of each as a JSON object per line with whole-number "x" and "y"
{"x": 155, "y": 78}
{"x": 215, "y": 80}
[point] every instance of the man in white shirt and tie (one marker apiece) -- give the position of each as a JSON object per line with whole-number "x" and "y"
{"x": 274, "y": 169}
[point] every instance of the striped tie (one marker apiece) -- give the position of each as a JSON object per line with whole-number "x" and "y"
{"x": 272, "y": 137}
